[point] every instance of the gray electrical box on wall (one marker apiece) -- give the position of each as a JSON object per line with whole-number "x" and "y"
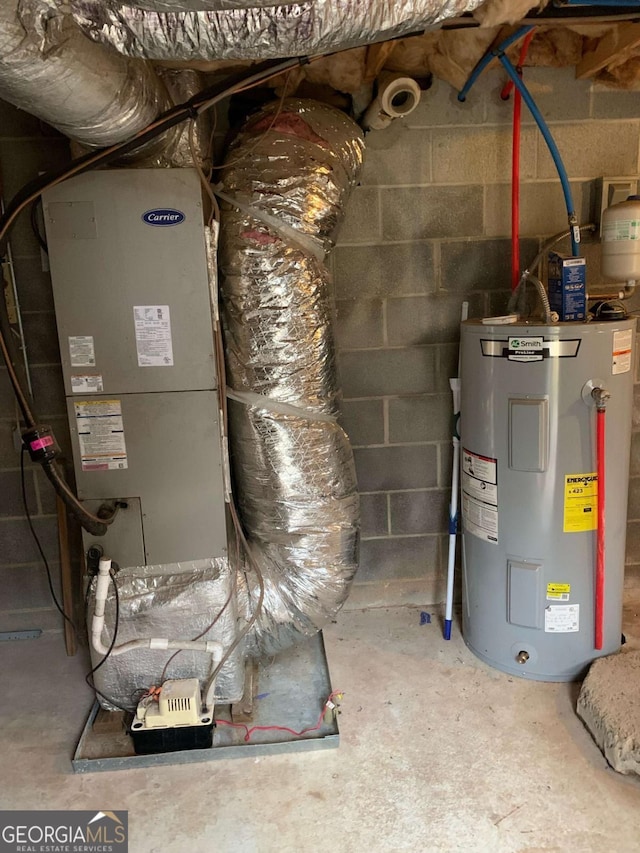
{"x": 133, "y": 307}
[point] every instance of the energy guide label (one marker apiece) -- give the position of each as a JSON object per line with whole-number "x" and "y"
{"x": 580, "y": 502}
{"x": 480, "y": 495}
{"x": 101, "y": 435}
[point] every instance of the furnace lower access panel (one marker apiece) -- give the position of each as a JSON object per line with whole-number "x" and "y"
{"x": 133, "y": 296}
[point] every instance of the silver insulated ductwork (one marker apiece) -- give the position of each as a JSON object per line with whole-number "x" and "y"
{"x": 251, "y": 29}
{"x": 287, "y": 179}
{"x": 92, "y": 95}
{"x": 284, "y": 187}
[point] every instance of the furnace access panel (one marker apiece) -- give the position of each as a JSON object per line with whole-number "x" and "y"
{"x": 133, "y": 307}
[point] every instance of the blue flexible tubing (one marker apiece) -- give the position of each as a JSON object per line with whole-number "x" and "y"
{"x": 553, "y": 149}
{"x": 489, "y": 57}
{"x": 537, "y": 115}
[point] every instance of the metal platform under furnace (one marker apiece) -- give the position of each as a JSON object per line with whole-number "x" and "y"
{"x": 291, "y": 691}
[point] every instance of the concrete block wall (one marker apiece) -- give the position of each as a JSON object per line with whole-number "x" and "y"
{"x": 428, "y": 228}
{"x": 28, "y": 147}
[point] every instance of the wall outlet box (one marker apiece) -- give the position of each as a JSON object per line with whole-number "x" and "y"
{"x": 567, "y": 286}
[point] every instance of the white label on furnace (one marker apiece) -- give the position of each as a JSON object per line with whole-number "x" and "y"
{"x": 87, "y": 383}
{"x": 562, "y": 618}
{"x": 622, "y": 346}
{"x": 480, "y": 519}
{"x": 153, "y": 335}
{"x": 621, "y": 229}
{"x": 101, "y": 435}
{"x": 82, "y": 351}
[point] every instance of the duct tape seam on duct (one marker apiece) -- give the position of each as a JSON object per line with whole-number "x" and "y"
{"x": 175, "y": 601}
{"x": 51, "y": 70}
{"x": 294, "y": 474}
{"x": 253, "y": 30}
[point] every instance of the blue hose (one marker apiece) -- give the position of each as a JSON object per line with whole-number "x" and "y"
{"x": 489, "y": 57}
{"x": 498, "y": 52}
{"x": 553, "y": 149}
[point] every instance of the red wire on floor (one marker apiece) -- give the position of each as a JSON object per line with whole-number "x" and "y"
{"x": 337, "y": 694}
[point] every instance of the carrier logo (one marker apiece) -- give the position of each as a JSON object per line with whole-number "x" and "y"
{"x": 163, "y": 216}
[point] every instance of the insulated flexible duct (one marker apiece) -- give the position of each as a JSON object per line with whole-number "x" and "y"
{"x": 292, "y": 462}
{"x": 250, "y": 29}
{"x": 50, "y": 69}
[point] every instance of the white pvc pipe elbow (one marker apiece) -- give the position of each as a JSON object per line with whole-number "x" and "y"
{"x": 397, "y": 97}
{"x": 97, "y": 626}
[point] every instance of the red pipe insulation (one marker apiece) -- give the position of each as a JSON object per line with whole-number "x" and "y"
{"x": 515, "y": 164}
{"x": 600, "y": 552}
{"x": 515, "y": 192}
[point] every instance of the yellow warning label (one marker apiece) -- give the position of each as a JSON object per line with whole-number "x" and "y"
{"x": 580, "y": 502}
{"x": 558, "y": 591}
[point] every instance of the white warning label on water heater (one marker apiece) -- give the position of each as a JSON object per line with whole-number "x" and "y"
{"x": 153, "y": 335}
{"x": 480, "y": 495}
{"x": 480, "y": 519}
{"x": 562, "y": 618}
{"x": 101, "y": 435}
{"x": 622, "y": 346}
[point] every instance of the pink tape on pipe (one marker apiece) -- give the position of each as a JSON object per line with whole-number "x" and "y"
{"x": 41, "y": 443}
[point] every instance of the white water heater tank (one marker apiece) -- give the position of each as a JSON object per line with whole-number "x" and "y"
{"x": 529, "y": 491}
{"x": 621, "y": 240}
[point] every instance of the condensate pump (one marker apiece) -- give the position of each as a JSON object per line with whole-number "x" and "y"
{"x": 172, "y": 719}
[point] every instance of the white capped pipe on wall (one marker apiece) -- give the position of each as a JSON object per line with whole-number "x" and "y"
{"x": 397, "y": 97}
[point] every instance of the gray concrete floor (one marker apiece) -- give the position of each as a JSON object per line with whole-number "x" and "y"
{"x": 438, "y": 752}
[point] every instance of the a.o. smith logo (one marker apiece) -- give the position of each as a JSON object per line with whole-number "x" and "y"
{"x": 64, "y": 832}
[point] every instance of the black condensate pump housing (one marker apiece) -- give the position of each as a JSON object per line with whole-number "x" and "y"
{"x": 151, "y": 741}
{"x": 172, "y": 718}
